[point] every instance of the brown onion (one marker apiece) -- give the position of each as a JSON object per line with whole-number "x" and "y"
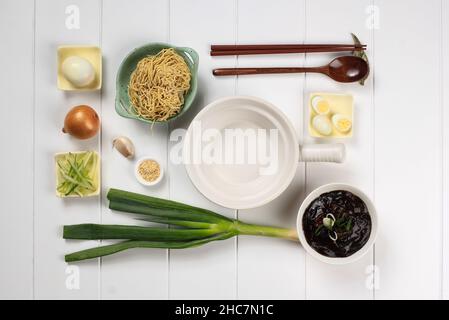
{"x": 82, "y": 122}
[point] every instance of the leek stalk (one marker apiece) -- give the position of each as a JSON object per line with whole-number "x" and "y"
{"x": 191, "y": 227}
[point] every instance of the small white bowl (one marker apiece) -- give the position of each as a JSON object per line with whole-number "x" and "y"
{"x": 143, "y": 181}
{"x": 328, "y": 188}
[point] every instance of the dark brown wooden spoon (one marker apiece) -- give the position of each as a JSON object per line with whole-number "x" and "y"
{"x": 341, "y": 69}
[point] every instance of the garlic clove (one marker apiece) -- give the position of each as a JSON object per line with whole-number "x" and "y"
{"x": 125, "y": 146}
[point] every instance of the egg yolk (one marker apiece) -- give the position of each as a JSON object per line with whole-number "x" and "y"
{"x": 322, "y": 106}
{"x": 344, "y": 124}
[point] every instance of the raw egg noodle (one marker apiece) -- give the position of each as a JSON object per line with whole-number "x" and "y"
{"x": 158, "y": 85}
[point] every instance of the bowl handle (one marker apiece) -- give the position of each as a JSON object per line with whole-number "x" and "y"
{"x": 322, "y": 153}
{"x": 193, "y": 55}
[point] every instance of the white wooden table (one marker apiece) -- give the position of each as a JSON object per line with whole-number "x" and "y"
{"x": 399, "y": 154}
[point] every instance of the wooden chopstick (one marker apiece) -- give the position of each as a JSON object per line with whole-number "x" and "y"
{"x": 275, "y": 46}
{"x": 284, "y": 51}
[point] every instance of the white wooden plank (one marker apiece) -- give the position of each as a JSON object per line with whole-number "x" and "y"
{"x": 207, "y": 272}
{"x": 408, "y": 144}
{"x": 445, "y": 106}
{"x": 50, "y": 109}
{"x": 138, "y": 273}
{"x": 273, "y": 268}
{"x": 332, "y": 22}
{"x": 16, "y": 219}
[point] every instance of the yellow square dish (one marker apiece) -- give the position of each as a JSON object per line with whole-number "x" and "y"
{"x": 91, "y": 54}
{"x": 342, "y": 104}
{"x": 88, "y": 162}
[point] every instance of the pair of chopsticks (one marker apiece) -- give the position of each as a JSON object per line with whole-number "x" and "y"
{"x": 232, "y": 50}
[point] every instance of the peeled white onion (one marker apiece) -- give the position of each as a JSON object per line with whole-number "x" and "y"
{"x": 78, "y": 71}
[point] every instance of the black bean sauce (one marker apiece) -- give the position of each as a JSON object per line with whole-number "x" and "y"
{"x": 351, "y": 225}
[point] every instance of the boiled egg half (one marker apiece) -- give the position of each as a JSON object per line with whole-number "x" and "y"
{"x": 342, "y": 123}
{"x": 320, "y": 105}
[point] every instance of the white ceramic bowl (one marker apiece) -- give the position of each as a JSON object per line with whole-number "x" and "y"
{"x": 328, "y": 188}
{"x": 247, "y": 185}
{"x": 143, "y": 181}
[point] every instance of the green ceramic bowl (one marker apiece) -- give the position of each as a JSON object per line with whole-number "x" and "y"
{"x": 122, "y": 103}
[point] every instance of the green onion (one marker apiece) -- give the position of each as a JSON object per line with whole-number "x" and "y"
{"x": 137, "y": 203}
{"x": 99, "y": 232}
{"x": 76, "y": 172}
{"x": 192, "y": 227}
{"x": 121, "y": 246}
